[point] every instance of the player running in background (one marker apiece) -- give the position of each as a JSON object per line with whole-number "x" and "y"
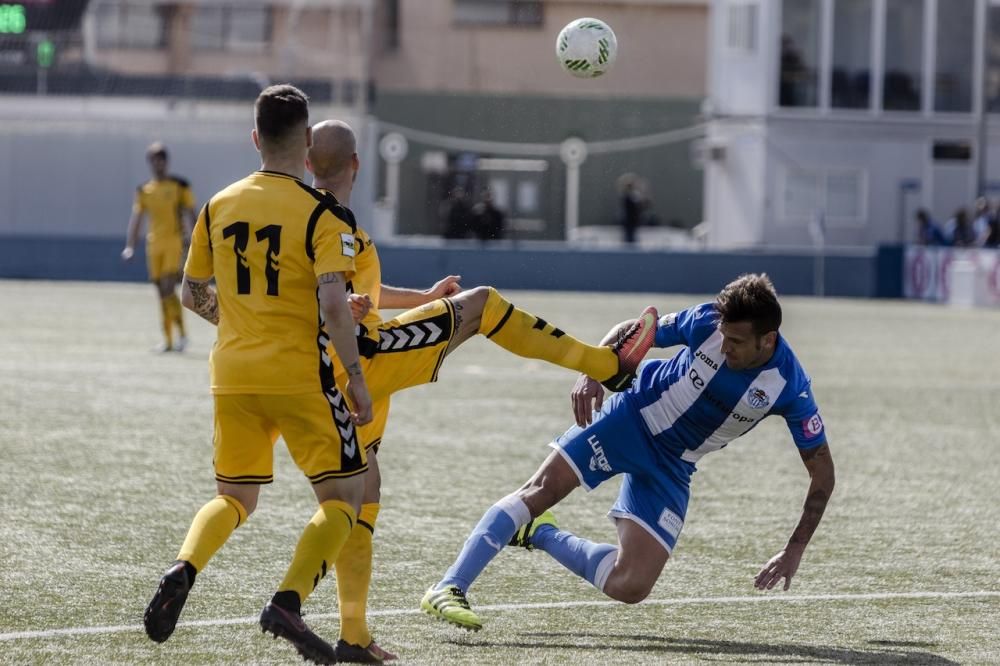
{"x": 281, "y": 260}
{"x": 409, "y": 350}
{"x": 733, "y": 370}
{"x": 169, "y": 204}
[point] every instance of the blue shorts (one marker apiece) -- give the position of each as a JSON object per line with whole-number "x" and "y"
{"x": 656, "y": 487}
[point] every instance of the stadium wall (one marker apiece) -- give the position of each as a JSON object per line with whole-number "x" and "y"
{"x": 542, "y": 266}
{"x": 69, "y": 166}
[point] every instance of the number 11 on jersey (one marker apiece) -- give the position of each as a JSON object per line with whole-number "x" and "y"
{"x": 240, "y": 231}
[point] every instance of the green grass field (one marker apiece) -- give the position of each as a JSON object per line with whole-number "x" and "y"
{"x": 106, "y": 455}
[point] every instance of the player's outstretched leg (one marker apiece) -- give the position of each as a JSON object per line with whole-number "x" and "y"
{"x": 446, "y": 600}
{"x": 526, "y": 335}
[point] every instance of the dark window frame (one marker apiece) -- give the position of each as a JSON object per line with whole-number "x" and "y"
{"x": 520, "y": 14}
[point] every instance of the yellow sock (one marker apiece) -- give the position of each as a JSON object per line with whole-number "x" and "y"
{"x": 167, "y": 322}
{"x": 320, "y": 543}
{"x": 210, "y": 528}
{"x": 176, "y": 313}
{"x": 354, "y": 575}
{"x": 526, "y": 335}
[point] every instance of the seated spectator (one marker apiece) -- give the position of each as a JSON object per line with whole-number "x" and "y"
{"x": 958, "y": 231}
{"x": 981, "y": 224}
{"x": 928, "y": 233}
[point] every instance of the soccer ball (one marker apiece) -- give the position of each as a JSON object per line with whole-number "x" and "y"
{"x": 586, "y": 47}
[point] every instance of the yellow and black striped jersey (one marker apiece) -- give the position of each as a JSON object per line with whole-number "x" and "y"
{"x": 367, "y": 277}
{"x": 162, "y": 201}
{"x": 266, "y": 238}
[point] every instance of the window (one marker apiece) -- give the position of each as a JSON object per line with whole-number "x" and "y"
{"x": 798, "y": 68}
{"x": 850, "y": 78}
{"x": 742, "y": 32}
{"x": 499, "y": 12}
{"x": 902, "y": 82}
{"x": 953, "y": 74}
{"x": 993, "y": 58}
{"x": 231, "y": 28}
{"x": 131, "y": 26}
{"x": 838, "y": 195}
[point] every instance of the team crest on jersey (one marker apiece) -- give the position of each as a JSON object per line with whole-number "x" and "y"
{"x": 757, "y": 398}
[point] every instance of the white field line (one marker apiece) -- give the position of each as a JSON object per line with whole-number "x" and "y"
{"x": 680, "y": 601}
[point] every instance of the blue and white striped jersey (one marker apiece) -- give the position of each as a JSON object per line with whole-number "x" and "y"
{"x": 692, "y": 403}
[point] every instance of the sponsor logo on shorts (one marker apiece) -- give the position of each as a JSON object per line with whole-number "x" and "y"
{"x": 757, "y": 398}
{"x": 670, "y": 522}
{"x": 598, "y": 460}
{"x": 812, "y": 427}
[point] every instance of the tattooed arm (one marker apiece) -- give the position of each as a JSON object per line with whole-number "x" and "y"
{"x": 199, "y": 297}
{"x": 819, "y": 463}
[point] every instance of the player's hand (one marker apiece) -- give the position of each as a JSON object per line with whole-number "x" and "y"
{"x": 127, "y": 254}
{"x": 447, "y": 286}
{"x": 783, "y": 565}
{"x": 360, "y": 305}
{"x": 360, "y": 399}
{"x": 587, "y": 397}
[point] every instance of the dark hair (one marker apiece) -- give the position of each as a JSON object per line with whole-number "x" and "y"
{"x": 750, "y": 297}
{"x": 156, "y": 149}
{"x": 279, "y": 110}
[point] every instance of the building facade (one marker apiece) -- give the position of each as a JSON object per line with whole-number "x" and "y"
{"x": 833, "y": 121}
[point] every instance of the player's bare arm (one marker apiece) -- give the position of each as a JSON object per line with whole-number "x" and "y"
{"x": 188, "y": 219}
{"x": 587, "y": 395}
{"x": 339, "y": 323}
{"x": 398, "y": 298}
{"x": 199, "y": 297}
{"x": 131, "y": 236}
{"x": 819, "y": 464}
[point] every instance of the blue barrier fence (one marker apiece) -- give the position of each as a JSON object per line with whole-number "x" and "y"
{"x": 855, "y": 274}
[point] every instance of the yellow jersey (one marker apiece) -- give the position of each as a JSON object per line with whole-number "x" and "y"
{"x": 266, "y": 239}
{"x": 162, "y": 201}
{"x": 367, "y": 279}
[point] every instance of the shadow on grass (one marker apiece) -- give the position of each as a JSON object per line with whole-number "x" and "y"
{"x": 692, "y": 647}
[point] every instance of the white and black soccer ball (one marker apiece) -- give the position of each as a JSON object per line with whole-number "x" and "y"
{"x": 587, "y": 47}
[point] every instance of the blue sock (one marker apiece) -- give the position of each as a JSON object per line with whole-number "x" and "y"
{"x": 494, "y": 531}
{"x": 591, "y": 561}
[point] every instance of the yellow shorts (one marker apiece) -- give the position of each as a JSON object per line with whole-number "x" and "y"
{"x": 163, "y": 258}
{"x": 409, "y": 352}
{"x": 317, "y": 430}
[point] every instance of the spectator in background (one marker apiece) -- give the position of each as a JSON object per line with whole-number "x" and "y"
{"x": 992, "y": 238}
{"x": 928, "y": 233}
{"x": 631, "y": 203}
{"x": 458, "y": 218}
{"x": 981, "y": 224}
{"x": 958, "y": 231}
{"x": 488, "y": 218}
